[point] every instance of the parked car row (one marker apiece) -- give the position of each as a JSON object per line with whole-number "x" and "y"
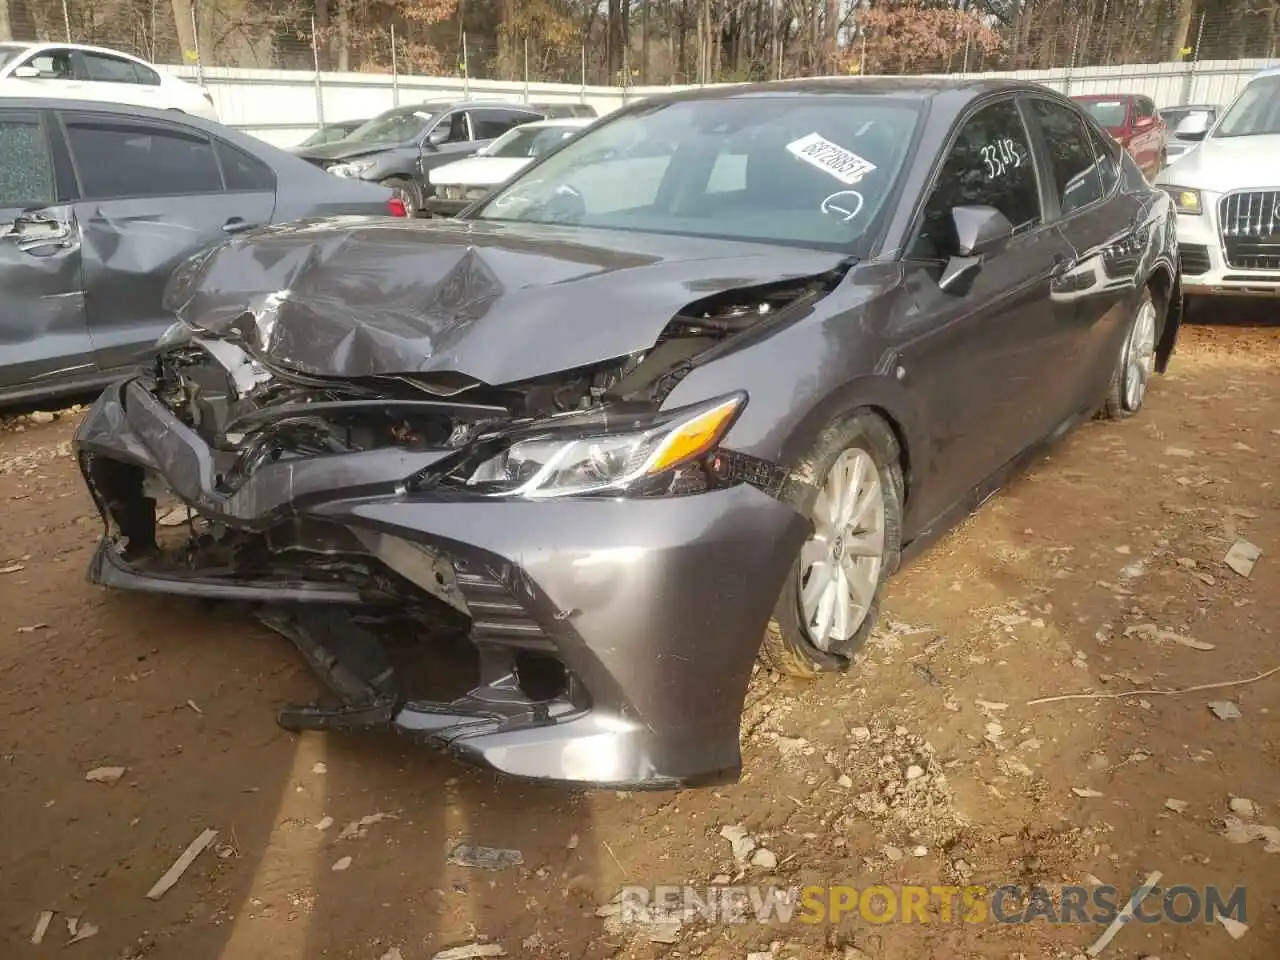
{"x": 683, "y": 391}
{"x": 401, "y": 147}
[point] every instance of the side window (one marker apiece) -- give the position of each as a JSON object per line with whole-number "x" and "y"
{"x": 52, "y": 64}
{"x": 990, "y": 164}
{"x": 457, "y": 126}
{"x": 133, "y": 160}
{"x": 104, "y": 69}
{"x": 1144, "y": 108}
{"x": 146, "y": 76}
{"x": 1104, "y": 149}
{"x": 243, "y": 172}
{"x": 26, "y": 170}
{"x": 1071, "y": 155}
{"x": 488, "y": 124}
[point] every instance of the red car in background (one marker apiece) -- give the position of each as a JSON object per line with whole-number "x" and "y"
{"x": 1133, "y": 122}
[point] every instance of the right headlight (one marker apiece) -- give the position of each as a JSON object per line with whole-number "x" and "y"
{"x": 631, "y": 456}
{"x": 353, "y": 170}
{"x": 1185, "y": 200}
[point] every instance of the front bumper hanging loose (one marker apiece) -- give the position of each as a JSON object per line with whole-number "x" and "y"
{"x": 614, "y": 637}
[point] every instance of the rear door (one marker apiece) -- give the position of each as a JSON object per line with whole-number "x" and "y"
{"x": 985, "y": 357}
{"x": 1099, "y": 224}
{"x": 44, "y": 342}
{"x": 116, "y": 80}
{"x": 153, "y": 193}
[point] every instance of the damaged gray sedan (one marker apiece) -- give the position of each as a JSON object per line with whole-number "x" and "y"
{"x": 539, "y": 484}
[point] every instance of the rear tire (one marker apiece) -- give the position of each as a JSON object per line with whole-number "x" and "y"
{"x": 408, "y": 192}
{"x": 1136, "y": 364}
{"x": 817, "y": 629}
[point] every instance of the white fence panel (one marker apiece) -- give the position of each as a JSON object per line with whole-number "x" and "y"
{"x": 284, "y": 106}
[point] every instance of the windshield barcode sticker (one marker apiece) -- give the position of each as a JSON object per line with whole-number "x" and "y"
{"x": 845, "y": 165}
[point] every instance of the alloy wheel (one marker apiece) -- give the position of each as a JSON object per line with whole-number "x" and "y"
{"x": 1139, "y": 356}
{"x": 840, "y": 564}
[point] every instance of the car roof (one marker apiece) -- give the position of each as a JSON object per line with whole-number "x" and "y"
{"x": 82, "y": 47}
{"x": 559, "y": 122}
{"x": 446, "y": 103}
{"x": 131, "y": 111}
{"x": 1269, "y": 72}
{"x": 1108, "y": 96}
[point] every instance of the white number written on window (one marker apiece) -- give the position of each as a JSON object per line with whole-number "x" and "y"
{"x": 1001, "y": 157}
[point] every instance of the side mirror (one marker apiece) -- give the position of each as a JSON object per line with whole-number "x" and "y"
{"x": 26, "y": 73}
{"x": 980, "y": 230}
{"x": 481, "y": 151}
{"x": 1144, "y": 123}
{"x": 1193, "y": 126}
{"x": 437, "y": 136}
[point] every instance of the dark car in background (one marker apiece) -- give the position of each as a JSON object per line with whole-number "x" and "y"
{"x": 398, "y": 148}
{"x": 1173, "y": 116}
{"x": 99, "y": 203}
{"x": 684, "y": 391}
{"x": 1133, "y": 121}
{"x": 329, "y": 133}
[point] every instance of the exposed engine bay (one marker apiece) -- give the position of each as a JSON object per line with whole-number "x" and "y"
{"x": 255, "y": 414}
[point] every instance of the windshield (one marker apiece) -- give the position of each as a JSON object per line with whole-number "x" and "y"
{"x": 806, "y": 170}
{"x": 329, "y": 134}
{"x": 8, "y": 51}
{"x": 395, "y": 126}
{"x": 1256, "y": 111}
{"x": 528, "y": 141}
{"x": 1108, "y": 113}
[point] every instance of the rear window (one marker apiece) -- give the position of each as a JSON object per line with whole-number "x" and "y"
{"x": 810, "y": 171}
{"x": 9, "y": 52}
{"x": 1108, "y": 113}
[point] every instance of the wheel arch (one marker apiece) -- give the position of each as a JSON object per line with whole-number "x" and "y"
{"x": 875, "y": 395}
{"x": 1165, "y": 285}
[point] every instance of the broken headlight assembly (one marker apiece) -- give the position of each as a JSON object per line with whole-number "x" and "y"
{"x": 605, "y": 454}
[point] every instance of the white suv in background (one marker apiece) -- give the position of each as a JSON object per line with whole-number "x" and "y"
{"x": 1227, "y": 194}
{"x": 69, "y": 71}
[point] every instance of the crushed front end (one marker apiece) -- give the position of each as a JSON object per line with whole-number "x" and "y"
{"x": 557, "y": 579}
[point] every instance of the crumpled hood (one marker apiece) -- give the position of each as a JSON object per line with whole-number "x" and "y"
{"x": 342, "y": 150}
{"x": 499, "y": 303}
{"x": 1222, "y": 164}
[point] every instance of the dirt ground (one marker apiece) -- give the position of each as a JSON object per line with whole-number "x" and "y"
{"x": 1088, "y": 574}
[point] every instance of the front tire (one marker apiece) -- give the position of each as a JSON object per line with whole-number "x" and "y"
{"x": 1136, "y": 363}
{"x": 831, "y": 598}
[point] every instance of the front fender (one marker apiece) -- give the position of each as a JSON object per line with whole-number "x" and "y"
{"x": 802, "y": 378}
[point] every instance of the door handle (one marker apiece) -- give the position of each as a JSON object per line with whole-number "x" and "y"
{"x": 237, "y": 225}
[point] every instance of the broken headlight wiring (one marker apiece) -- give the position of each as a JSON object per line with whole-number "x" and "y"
{"x": 603, "y": 455}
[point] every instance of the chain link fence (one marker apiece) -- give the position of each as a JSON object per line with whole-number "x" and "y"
{"x": 280, "y": 67}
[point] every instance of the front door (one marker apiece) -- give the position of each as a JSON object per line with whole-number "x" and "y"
{"x": 44, "y": 342}
{"x": 152, "y": 194}
{"x": 982, "y": 357}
